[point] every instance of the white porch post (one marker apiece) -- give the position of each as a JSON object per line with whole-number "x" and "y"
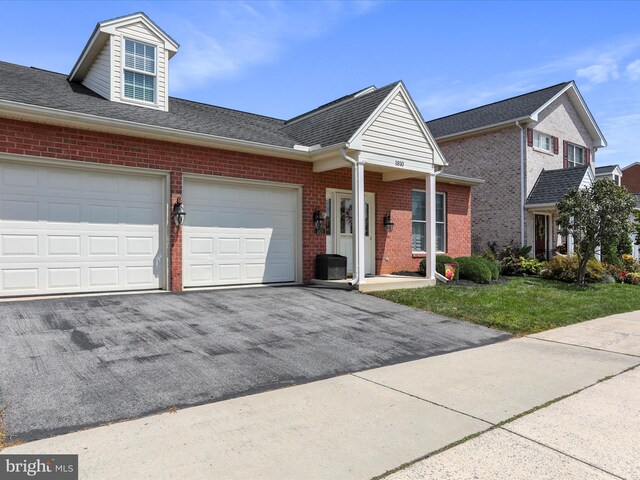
{"x": 358, "y": 219}
{"x": 430, "y": 233}
{"x": 570, "y": 245}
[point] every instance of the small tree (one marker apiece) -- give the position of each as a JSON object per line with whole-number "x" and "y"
{"x": 597, "y": 215}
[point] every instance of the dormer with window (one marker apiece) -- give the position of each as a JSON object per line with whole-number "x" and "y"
{"x": 127, "y": 60}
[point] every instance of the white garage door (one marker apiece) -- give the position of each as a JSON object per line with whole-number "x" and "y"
{"x": 70, "y": 230}
{"x": 238, "y": 233}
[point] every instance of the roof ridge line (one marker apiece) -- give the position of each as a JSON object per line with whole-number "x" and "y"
{"x": 335, "y": 103}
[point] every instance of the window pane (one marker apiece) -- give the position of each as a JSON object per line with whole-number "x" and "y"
{"x": 417, "y": 236}
{"x": 366, "y": 219}
{"x": 345, "y": 216}
{"x": 439, "y": 207}
{"x": 129, "y": 46}
{"x": 440, "y": 247}
{"x": 417, "y": 205}
{"x": 139, "y": 86}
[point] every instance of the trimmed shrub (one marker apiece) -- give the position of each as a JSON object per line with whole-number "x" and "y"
{"x": 440, "y": 261}
{"x": 474, "y": 269}
{"x": 565, "y": 269}
{"x": 493, "y": 264}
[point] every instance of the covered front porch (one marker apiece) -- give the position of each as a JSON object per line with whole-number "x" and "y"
{"x": 392, "y": 145}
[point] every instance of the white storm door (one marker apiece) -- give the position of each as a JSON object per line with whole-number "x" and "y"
{"x": 238, "y": 233}
{"x": 344, "y": 228}
{"x": 69, "y": 229}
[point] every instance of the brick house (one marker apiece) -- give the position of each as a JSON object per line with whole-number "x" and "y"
{"x": 530, "y": 150}
{"x": 94, "y": 164}
{"x": 631, "y": 177}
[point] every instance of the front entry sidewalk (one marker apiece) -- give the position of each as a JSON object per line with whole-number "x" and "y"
{"x": 365, "y": 424}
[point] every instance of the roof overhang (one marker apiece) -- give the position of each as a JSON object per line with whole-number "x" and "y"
{"x": 104, "y": 30}
{"x": 485, "y": 128}
{"x": 540, "y": 206}
{"x": 634, "y": 164}
{"x": 444, "y": 177}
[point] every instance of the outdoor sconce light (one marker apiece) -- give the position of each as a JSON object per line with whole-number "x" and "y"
{"x": 388, "y": 223}
{"x": 318, "y": 221}
{"x": 178, "y": 212}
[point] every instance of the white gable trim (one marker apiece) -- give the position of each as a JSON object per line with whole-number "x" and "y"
{"x": 630, "y": 165}
{"x": 355, "y": 142}
{"x": 585, "y": 115}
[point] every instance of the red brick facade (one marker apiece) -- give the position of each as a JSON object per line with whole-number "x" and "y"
{"x": 631, "y": 178}
{"x": 393, "y": 250}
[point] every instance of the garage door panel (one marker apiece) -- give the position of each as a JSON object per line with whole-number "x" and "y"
{"x": 91, "y": 236}
{"x": 238, "y": 234}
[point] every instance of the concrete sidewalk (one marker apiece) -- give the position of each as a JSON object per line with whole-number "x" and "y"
{"x": 365, "y": 424}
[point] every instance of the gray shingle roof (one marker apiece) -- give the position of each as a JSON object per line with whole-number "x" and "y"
{"x": 605, "y": 169}
{"x": 493, "y": 113}
{"x": 337, "y": 121}
{"x": 553, "y": 184}
{"x": 327, "y": 125}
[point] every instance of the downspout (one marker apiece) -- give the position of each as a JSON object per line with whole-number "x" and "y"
{"x": 354, "y": 173}
{"x": 522, "y": 183}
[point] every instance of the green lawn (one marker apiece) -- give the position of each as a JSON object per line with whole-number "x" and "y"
{"x": 522, "y": 305}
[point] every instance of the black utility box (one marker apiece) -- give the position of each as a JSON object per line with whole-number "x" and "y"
{"x": 331, "y": 267}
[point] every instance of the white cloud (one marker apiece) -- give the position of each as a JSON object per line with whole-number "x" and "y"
{"x": 599, "y": 73}
{"x": 245, "y": 34}
{"x": 633, "y": 70}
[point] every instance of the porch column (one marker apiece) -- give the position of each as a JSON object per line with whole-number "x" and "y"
{"x": 430, "y": 233}
{"x": 358, "y": 219}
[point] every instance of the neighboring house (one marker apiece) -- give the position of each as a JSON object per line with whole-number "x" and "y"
{"x": 631, "y": 178}
{"x": 92, "y": 165}
{"x": 529, "y": 149}
{"x": 610, "y": 172}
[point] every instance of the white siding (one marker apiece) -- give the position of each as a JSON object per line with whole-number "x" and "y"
{"x": 98, "y": 77}
{"x": 396, "y": 133}
{"x": 138, "y": 31}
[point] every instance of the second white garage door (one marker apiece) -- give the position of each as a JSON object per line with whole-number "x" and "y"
{"x": 238, "y": 233}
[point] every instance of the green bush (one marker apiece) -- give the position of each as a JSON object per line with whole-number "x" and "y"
{"x": 530, "y": 266}
{"x": 474, "y": 269}
{"x": 440, "y": 261}
{"x": 492, "y": 263}
{"x": 565, "y": 269}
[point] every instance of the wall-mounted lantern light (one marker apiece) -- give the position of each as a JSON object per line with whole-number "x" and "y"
{"x": 388, "y": 223}
{"x": 318, "y": 221}
{"x": 178, "y": 212}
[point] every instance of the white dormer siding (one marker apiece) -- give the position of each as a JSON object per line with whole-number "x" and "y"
{"x": 101, "y": 66}
{"x": 98, "y": 77}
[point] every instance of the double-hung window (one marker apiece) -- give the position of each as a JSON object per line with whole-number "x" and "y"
{"x": 575, "y": 155}
{"x": 542, "y": 141}
{"x": 419, "y": 222}
{"x": 139, "y": 71}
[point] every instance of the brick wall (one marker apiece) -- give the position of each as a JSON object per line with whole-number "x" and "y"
{"x": 631, "y": 178}
{"x": 393, "y": 250}
{"x": 495, "y": 158}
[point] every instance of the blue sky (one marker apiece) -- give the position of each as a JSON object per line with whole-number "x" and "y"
{"x": 284, "y": 58}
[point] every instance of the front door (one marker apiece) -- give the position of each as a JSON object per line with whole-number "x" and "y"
{"x": 541, "y": 236}
{"x": 343, "y": 213}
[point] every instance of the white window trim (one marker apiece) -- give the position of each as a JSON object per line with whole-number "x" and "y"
{"x": 123, "y": 68}
{"x": 444, "y": 207}
{"x": 541, "y": 149}
{"x": 584, "y": 155}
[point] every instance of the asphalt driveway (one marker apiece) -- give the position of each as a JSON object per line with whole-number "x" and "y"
{"x": 70, "y": 363}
